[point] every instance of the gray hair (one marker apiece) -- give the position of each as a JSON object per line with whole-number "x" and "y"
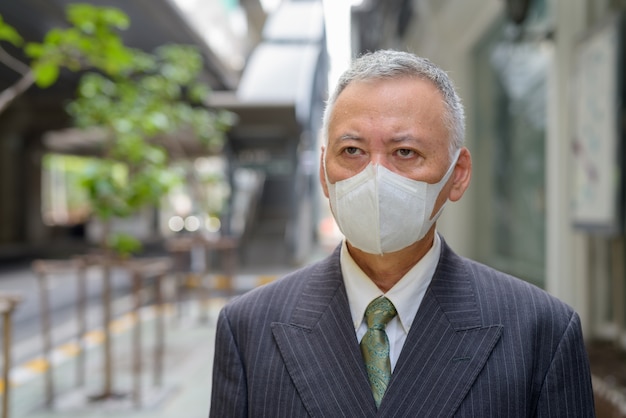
{"x": 388, "y": 64}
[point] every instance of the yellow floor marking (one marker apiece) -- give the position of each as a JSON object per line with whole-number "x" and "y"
{"x": 192, "y": 281}
{"x": 117, "y": 327}
{"x": 70, "y": 349}
{"x": 95, "y": 337}
{"x": 223, "y": 282}
{"x": 262, "y": 280}
{"x": 38, "y": 365}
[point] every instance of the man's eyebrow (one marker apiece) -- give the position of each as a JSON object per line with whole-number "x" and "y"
{"x": 349, "y": 137}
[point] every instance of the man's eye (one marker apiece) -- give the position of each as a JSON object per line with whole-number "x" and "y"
{"x": 351, "y": 150}
{"x": 405, "y": 152}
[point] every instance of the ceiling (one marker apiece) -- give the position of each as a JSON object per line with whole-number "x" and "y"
{"x": 153, "y": 23}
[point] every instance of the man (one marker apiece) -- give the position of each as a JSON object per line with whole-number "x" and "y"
{"x": 393, "y": 323}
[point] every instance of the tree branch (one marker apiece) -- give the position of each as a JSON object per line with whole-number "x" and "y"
{"x": 13, "y": 63}
{"x": 20, "y": 86}
{"x": 11, "y": 93}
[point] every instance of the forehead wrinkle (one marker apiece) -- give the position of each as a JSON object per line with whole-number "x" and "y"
{"x": 349, "y": 137}
{"x": 403, "y": 138}
{"x": 399, "y": 139}
{"x": 408, "y": 139}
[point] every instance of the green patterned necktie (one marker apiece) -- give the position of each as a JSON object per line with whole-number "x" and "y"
{"x": 375, "y": 346}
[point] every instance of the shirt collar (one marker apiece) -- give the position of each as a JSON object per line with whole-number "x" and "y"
{"x": 406, "y": 295}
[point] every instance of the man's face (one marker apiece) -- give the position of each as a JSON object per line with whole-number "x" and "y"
{"x": 397, "y": 123}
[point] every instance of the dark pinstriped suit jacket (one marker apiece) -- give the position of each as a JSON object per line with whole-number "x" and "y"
{"x": 483, "y": 344}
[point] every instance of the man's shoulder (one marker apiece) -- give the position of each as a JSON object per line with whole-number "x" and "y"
{"x": 497, "y": 289}
{"x": 503, "y": 291}
{"x": 286, "y": 290}
{"x": 486, "y": 275}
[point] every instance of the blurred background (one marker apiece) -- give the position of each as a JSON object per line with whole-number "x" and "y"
{"x": 543, "y": 83}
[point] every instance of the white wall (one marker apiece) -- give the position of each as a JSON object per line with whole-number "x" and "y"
{"x": 566, "y": 260}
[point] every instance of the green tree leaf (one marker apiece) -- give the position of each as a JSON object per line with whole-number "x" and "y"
{"x": 123, "y": 244}
{"x": 46, "y": 73}
{"x": 9, "y": 34}
{"x": 88, "y": 18}
{"x": 34, "y": 50}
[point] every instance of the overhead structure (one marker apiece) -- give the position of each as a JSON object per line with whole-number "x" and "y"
{"x": 279, "y": 102}
{"x": 153, "y": 23}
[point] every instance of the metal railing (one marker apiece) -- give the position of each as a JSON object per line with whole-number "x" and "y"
{"x": 8, "y": 303}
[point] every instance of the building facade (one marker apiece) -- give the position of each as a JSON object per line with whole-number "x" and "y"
{"x": 543, "y": 85}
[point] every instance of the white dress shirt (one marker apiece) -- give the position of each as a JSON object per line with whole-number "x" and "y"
{"x": 406, "y": 295}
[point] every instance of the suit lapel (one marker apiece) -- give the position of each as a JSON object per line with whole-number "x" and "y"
{"x": 446, "y": 348}
{"x": 331, "y": 382}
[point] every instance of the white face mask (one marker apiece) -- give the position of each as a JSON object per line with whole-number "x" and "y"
{"x": 379, "y": 211}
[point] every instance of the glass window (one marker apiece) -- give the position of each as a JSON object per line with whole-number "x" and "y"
{"x": 509, "y": 157}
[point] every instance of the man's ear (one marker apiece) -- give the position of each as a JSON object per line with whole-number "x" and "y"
{"x": 461, "y": 176}
{"x": 322, "y": 174}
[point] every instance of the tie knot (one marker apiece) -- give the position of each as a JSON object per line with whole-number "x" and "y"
{"x": 379, "y": 312}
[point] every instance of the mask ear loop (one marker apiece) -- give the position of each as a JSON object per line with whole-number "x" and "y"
{"x": 324, "y": 167}
{"x": 440, "y": 185}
